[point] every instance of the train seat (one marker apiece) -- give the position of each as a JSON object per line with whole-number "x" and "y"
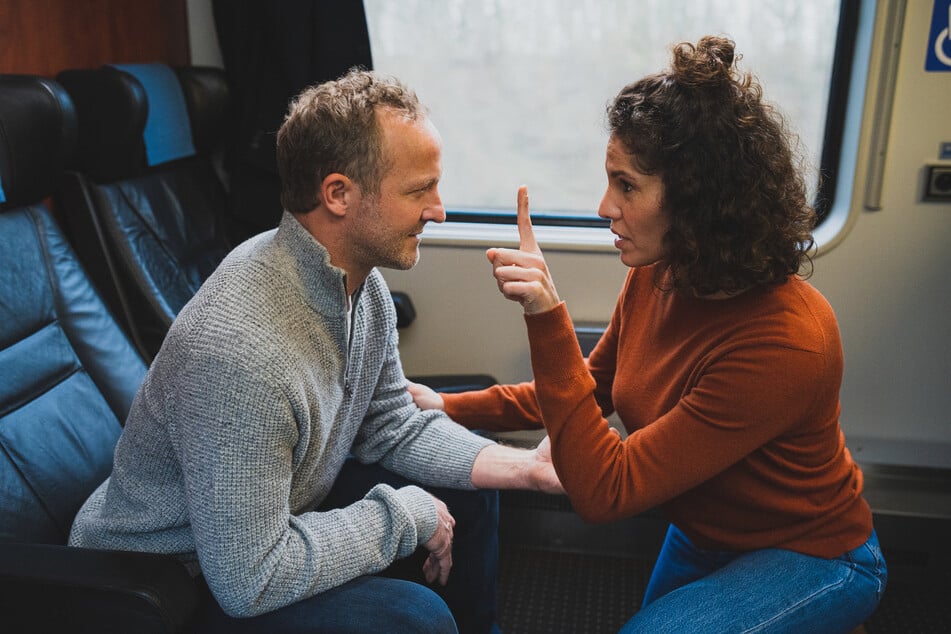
{"x": 68, "y": 375}
{"x": 146, "y": 205}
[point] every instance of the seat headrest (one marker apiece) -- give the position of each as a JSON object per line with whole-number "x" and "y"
{"x": 208, "y": 97}
{"x": 111, "y": 107}
{"x": 38, "y": 132}
{"x": 134, "y": 116}
{"x": 168, "y": 133}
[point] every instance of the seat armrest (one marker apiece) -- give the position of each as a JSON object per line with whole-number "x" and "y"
{"x": 452, "y": 383}
{"x": 47, "y": 587}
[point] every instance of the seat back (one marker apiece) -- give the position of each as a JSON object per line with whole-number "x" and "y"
{"x": 67, "y": 371}
{"x": 145, "y": 205}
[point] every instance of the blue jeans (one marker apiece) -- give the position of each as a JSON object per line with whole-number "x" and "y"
{"x": 398, "y": 600}
{"x": 769, "y": 590}
{"x": 366, "y": 604}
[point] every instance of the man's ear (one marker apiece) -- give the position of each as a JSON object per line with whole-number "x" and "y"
{"x": 338, "y": 193}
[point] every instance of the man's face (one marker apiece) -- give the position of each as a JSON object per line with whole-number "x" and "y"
{"x": 387, "y": 229}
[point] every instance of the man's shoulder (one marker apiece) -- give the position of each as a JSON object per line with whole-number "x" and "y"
{"x": 246, "y": 304}
{"x": 243, "y": 336}
{"x": 241, "y": 289}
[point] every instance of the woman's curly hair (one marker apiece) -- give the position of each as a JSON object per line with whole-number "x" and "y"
{"x": 737, "y": 201}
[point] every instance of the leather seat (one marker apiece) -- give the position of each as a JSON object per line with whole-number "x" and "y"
{"x": 149, "y": 226}
{"x": 68, "y": 375}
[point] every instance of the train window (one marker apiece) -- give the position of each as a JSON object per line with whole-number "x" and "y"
{"x": 518, "y": 88}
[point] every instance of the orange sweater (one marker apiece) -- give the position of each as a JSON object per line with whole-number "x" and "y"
{"x": 731, "y": 408}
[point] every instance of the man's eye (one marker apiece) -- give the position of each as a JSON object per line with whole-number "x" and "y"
{"x": 422, "y": 190}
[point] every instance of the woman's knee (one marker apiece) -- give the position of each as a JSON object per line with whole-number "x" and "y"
{"x": 813, "y": 595}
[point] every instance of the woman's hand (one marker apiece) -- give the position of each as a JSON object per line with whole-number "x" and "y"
{"x": 425, "y": 396}
{"x": 546, "y": 480}
{"x": 522, "y": 274}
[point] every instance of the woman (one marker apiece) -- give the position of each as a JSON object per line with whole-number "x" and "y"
{"x": 722, "y": 363}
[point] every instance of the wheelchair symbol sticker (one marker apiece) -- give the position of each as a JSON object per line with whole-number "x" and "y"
{"x": 939, "y": 41}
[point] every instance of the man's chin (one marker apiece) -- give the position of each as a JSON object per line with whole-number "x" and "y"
{"x": 411, "y": 263}
{"x": 403, "y": 263}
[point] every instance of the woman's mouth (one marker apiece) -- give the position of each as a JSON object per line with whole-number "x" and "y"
{"x": 619, "y": 240}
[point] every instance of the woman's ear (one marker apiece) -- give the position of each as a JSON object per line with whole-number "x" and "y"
{"x": 338, "y": 193}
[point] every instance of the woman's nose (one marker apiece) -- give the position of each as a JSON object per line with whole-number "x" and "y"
{"x": 607, "y": 210}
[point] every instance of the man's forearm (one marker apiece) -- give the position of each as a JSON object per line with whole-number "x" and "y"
{"x": 501, "y": 467}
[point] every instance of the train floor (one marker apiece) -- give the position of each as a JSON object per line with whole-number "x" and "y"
{"x": 560, "y": 576}
{"x": 550, "y": 592}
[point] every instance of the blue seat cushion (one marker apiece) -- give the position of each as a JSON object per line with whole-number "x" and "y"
{"x": 67, "y": 376}
{"x": 56, "y": 449}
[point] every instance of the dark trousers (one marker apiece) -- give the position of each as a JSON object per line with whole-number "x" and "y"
{"x": 471, "y": 590}
{"x": 398, "y": 599}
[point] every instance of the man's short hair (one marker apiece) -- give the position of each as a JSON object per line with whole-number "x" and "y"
{"x": 333, "y": 128}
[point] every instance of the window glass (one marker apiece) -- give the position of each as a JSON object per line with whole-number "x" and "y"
{"x": 518, "y": 88}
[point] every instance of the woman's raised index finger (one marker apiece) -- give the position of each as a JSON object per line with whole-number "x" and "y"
{"x": 526, "y": 235}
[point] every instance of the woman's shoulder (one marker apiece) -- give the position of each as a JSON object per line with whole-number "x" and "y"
{"x": 795, "y": 315}
{"x": 801, "y": 297}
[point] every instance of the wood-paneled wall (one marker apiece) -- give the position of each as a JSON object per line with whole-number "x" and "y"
{"x": 43, "y": 37}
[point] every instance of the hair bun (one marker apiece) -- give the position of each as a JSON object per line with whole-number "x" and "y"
{"x": 710, "y": 61}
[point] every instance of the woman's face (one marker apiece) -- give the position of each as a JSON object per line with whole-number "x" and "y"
{"x": 632, "y": 202}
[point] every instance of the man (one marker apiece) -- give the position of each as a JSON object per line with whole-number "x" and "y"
{"x": 235, "y": 453}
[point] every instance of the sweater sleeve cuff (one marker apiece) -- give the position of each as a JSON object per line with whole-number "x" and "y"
{"x": 421, "y": 508}
{"x": 454, "y": 405}
{"x": 460, "y": 407}
{"x": 464, "y": 446}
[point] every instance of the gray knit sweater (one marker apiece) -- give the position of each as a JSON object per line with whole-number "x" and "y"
{"x": 245, "y": 418}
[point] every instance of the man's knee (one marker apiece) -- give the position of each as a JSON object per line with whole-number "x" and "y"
{"x": 420, "y": 610}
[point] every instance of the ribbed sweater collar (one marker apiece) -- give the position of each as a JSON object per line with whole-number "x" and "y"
{"x": 323, "y": 284}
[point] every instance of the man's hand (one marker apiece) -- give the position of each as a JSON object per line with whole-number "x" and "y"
{"x": 425, "y": 396}
{"x": 522, "y": 274}
{"x": 437, "y": 565}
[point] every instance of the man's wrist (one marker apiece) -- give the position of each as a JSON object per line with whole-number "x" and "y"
{"x": 500, "y": 467}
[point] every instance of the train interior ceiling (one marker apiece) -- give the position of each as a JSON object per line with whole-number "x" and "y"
{"x": 883, "y": 262}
